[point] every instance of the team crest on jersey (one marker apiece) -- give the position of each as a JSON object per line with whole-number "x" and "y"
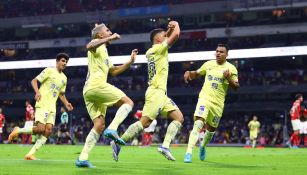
{"x": 106, "y": 61}
{"x": 201, "y": 110}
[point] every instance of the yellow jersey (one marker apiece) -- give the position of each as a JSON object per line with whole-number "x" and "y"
{"x": 52, "y": 84}
{"x": 253, "y": 126}
{"x": 98, "y": 68}
{"x": 216, "y": 85}
{"x": 157, "y": 60}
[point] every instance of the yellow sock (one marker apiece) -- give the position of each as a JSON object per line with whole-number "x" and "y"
{"x": 120, "y": 116}
{"x": 132, "y": 131}
{"x": 90, "y": 142}
{"x": 171, "y": 132}
{"x": 41, "y": 140}
{"x": 198, "y": 125}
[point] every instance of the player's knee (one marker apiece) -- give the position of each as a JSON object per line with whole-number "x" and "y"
{"x": 48, "y": 132}
{"x": 99, "y": 127}
{"x": 128, "y": 101}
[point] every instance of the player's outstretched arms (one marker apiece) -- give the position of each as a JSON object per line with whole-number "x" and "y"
{"x": 115, "y": 70}
{"x": 92, "y": 45}
{"x": 233, "y": 84}
{"x": 173, "y": 32}
{"x": 190, "y": 75}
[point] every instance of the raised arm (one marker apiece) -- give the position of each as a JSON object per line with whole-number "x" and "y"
{"x": 92, "y": 45}
{"x": 115, "y": 70}
{"x": 173, "y": 32}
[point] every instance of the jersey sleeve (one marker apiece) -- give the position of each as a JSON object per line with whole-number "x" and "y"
{"x": 44, "y": 75}
{"x": 110, "y": 65}
{"x": 63, "y": 88}
{"x": 202, "y": 69}
{"x": 162, "y": 47}
{"x": 234, "y": 74}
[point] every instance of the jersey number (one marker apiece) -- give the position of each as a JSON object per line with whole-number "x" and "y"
{"x": 214, "y": 85}
{"x": 151, "y": 70}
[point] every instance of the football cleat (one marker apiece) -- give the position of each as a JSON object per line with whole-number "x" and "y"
{"x": 112, "y": 134}
{"x": 30, "y": 157}
{"x": 166, "y": 153}
{"x": 188, "y": 158}
{"x": 202, "y": 153}
{"x": 14, "y": 134}
{"x": 116, "y": 150}
{"x": 84, "y": 163}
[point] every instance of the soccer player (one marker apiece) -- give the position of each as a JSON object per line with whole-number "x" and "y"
{"x": 295, "y": 114}
{"x": 2, "y": 122}
{"x": 254, "y": 128}
{"x": 99, "y": 95}
{"x": 219, "y": 74}
{"x": 156, "y": 99}
{"x": 53, "y": 83}
{"x": 27, "y": 138}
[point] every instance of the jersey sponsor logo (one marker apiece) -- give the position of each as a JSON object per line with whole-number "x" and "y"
{"x": 151, "y": 70}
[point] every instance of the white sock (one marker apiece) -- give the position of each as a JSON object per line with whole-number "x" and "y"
{"x": 207, "y": 138}
{"x": 26, "y": 130}
{"x": 41, "y": 140}
{"x": 90, "y": 142}
{"x": 171, "y": 132}
{"x": 120, "y": 116}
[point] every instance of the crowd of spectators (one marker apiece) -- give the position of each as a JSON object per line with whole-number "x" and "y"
{"x": 19, "y": 8}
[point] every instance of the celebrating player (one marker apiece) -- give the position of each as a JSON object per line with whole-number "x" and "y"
{"x": 219, "y": 74}
{"x": 98, "y": 94}
{"x": 53, "y": 85}
{"x": 156, "y": 99}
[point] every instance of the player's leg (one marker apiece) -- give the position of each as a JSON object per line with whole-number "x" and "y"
{"x": 40, "y": 141}
{"x": 41, "y": 116}
{"x": 125, "y": 105}
{"x": 200, "y": 115}
{"x": 172, "y": 130}
{"x": 97, "y": 113}
{"x": 212, "y": 121}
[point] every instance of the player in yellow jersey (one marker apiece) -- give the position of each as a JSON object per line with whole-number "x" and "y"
{"x": 254, "y": 126}
{"x": 219, "y": 74}
{"x": 156, "y": 99}
{"x": 52, "y": 85}
{"x": 99, "y": 95}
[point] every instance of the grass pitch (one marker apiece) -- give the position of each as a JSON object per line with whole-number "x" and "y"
{"x": 59, "y": 159}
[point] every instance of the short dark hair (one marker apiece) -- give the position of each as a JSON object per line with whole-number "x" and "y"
{"x": 62, "y": 55}
{"x": 297, "y": 96}
{"x": 154, "y": 32}
{"x": 225, "y": 46}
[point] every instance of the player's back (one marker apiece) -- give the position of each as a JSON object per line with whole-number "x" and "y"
{"x": 215, "y": 86}
{"x": 98, "y": 67}
{"x": 157, "y": 60}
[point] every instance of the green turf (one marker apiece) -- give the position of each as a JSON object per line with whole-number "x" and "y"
{"x": 146, "y": 161}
